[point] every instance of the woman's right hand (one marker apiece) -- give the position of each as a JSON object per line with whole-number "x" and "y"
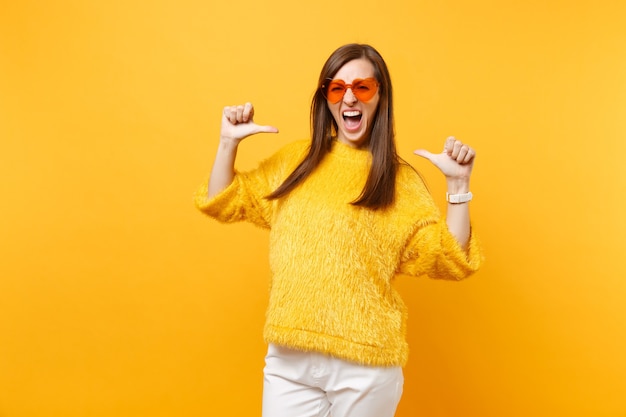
{"x": 238, "y": 123}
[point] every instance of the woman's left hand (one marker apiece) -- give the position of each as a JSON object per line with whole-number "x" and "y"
{"x": 455, "y": 162}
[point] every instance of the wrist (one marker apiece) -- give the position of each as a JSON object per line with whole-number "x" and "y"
{"x": 226, "y": 142}
{"x": 458, "y": 186}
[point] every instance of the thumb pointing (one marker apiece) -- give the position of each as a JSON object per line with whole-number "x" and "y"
{"x": 267, "y": 129}
{"x": 424, "y": 154}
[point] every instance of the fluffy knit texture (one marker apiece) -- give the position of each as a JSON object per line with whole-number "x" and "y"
{"x": 333, "y": 263}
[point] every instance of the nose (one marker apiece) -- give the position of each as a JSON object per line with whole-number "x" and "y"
{"x": 349, "y": 97}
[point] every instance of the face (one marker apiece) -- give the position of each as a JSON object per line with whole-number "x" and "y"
{"x": 354, "y": 117}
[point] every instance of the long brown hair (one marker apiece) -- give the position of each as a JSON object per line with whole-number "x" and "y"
{"x": 379, "y": 189}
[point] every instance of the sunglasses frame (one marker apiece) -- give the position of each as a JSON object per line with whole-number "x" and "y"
{"x": 355, "y": 83}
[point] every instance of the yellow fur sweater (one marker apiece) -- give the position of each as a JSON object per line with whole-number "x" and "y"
{"x": 333, "y": 263}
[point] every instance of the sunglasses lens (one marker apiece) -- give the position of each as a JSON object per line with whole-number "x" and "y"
{"x": 364, "y": 90}
{"x": 335, "y": 91}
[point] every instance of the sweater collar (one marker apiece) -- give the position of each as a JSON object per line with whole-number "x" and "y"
{"x": 343, "y": 151}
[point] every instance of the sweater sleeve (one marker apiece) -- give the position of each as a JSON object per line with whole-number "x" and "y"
{"x": 435, "y": 252}
{"x": 244, "y": 198}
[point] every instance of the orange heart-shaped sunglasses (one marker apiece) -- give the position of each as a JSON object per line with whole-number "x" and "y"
{"x": 363, "y": 89}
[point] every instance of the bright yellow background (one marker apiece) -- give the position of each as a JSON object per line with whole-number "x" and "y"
{"x": 117, "y": 298}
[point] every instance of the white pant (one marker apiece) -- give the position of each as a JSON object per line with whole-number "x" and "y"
{"x": 308, "y": 384}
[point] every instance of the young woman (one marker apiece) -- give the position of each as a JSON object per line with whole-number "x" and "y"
{"x": 345, "y": 215}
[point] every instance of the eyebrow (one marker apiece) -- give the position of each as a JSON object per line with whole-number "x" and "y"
{"x": 353, "y": 80}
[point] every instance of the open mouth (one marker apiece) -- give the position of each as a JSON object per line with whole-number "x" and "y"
{"x": 352, "y": 118}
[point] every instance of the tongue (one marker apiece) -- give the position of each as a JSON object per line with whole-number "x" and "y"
{"x": 352, "y": 122}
